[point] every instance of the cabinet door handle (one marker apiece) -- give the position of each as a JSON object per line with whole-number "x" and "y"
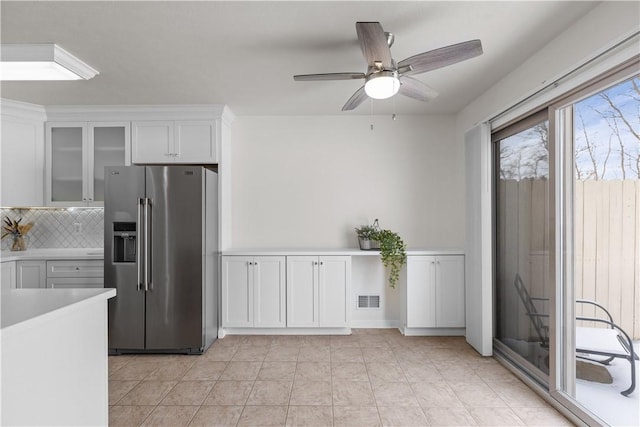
{"x": 321, "y": 262}
{"x": 250, "y": 263}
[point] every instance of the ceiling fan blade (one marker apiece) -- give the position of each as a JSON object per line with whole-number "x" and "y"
{"x": 438, "y": 58}
{"x": 328, "y": 76}
{"x": 416, "y": 89}
{"x": 373, "y": 43}
{"x": 356, "y": 99}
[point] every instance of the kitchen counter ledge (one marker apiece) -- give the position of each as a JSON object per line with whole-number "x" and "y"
{"x": 328, "y": 252}
{"x": 52, "y": 254}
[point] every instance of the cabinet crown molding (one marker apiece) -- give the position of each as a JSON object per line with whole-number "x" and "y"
{"x": 138, "y": 112}
{"x": 22, "y": 110}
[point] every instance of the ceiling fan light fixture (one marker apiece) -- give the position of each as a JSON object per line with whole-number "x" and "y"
{"x": 382, "y": 85}
{"x": 44, "y": 61}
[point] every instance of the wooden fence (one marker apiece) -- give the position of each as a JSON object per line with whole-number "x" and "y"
{"x": 607, "y": 250}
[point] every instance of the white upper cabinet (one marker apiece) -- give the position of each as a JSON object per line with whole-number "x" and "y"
{"x": 22, "y": 154}
{"x": 76, "y": 154}
{"x": 187, "y": 141}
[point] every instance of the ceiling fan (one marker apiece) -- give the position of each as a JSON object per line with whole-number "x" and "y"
{"x": 384, "y": 77}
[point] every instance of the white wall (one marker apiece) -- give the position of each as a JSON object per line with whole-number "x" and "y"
{"x": 606, "y": 24}
{"x": 304, "y": 181}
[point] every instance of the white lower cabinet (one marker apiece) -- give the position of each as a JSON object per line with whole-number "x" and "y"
{"x": 435, "y": 292}
{"x": 75, "y": 274}
{"x": 253, "y": 291}
{"x": 318, "y": 291}
{"x": 8, "y": 274}
{"x": 31, "y": 274}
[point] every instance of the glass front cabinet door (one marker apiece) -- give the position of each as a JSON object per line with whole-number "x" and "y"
{"x": 77, "y": 153}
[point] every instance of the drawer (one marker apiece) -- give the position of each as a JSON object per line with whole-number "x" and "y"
{"x": 74, "y": 282}
{"x": 79, "y": 268}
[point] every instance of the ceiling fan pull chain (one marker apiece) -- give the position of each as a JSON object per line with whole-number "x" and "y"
{"x": 371, "y": 114}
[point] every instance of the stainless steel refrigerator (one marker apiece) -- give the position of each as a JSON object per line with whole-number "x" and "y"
{"x": 161, "y": 255}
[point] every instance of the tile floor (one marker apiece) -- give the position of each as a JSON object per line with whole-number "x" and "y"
{"x": 371, "y": 378}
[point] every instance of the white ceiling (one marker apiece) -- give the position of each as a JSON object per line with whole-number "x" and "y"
{"x": 244, "y": 54}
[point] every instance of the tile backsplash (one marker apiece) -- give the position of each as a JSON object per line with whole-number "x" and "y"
{"x": 60, "y": 228}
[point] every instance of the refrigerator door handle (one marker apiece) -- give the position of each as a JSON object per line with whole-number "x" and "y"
{"x": 147, "y": 242}
{"x": 139, "y": 245}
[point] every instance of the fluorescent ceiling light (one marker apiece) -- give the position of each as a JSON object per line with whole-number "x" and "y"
{"x": 382, "y": 85}
{"x": 45, "y": 61}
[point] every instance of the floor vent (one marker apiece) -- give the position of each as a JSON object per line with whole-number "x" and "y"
{"x": 368, "y": 301}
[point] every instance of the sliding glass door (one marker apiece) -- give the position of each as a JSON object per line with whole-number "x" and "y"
{"x": 522, "y": 286}
{"x": 567, "y": 247}
{"x": 598, "y": 131}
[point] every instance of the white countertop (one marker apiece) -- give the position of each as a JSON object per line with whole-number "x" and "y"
{"x": 53, "y": 254}
{"x": 328, "y": 252}
{"x": 26, "y": 307}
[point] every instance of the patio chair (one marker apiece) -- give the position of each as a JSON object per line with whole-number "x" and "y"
{"x": 611, "y": 342}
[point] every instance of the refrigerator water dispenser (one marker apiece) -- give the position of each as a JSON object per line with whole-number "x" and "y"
{"x": 124, "y": 242}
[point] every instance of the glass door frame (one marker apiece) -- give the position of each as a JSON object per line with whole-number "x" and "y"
{"x": 561, "y": 175}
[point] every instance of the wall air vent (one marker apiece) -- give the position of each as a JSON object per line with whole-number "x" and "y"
{"x": 368, "y": 301}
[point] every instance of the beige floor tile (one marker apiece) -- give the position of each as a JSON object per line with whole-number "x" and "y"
{"x": 205, "y": 370}
{"x": 128, "y": 415}
{"x": 344, "y": 341}
{"x": 318, "y": 416}
{"x": 373, "y": 341}
{"x": 117, "y": 362}
{"x": 476, "y": 395}
{"x": 314, "y": 354}
{"x": 222, "y": 416}
{"x": 435, "y": 394}
{"x": 421, "y": 372}
{"x": 385, "y": 372}
{"x": 407, "y": 416}
{"x": 394, "y": 394}
{"x": 543, "y": 416}
{"x": 495, "y": 417}
{"x": 517, "y": 395}
{"x": 456, "y": 370}
{"x": 171, "y": 370}
{"x": 147, "y": 393}
{"x": 118, "y": 388}
{"x": 313, "y": 371}
{"x": 352, "y": 393}
{"x": 311, "y": 393}
{"x": 254, "y": 416}
{"x": 170, "y": 416}
{"x": 455, "y": 416}
{"x": 282, "y": 354}
{"x": 281, "y": 371}
{"x": 135, "y": 370}
{"x": 241, "y": 371}
{"x": 258, "y": 340}
{"x": 250, "y": 353}
{"x": 490, "y": 370}
{"x": 287, "y": 340}
{"x": 346, "y": 354}
{"x": 270, "y": 393}
{"x": 356, "y": 416}
{"x": 349, "y": 371}
{"x": 380, "y": 355}
{"x": 315, "y": 340}
{"x": 188, "y": 393}
{"x": 221, "y": 353}
{"x": 229, "y": 393}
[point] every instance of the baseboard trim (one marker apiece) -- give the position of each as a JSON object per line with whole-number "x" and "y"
{"x": 375, "y": 324}
{"x": 283, "y": 331}
{"x": 433, "y": 332}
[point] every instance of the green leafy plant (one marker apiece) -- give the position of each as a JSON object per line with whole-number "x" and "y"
{"x": 393, "y": 250}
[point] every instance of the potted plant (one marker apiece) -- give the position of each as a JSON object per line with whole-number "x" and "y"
{"x": 393, "y": 250}
{"x": 366, "y": 236}
{"x": 17, "y": 232}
